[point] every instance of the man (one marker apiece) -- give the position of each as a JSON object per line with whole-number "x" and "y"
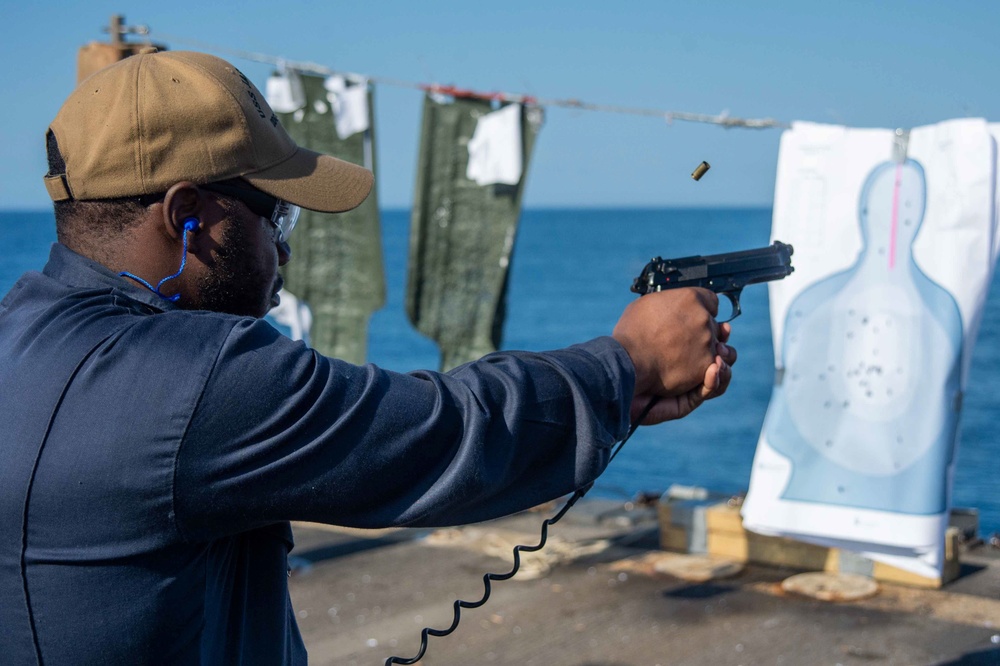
{"x": 158, "y": 436}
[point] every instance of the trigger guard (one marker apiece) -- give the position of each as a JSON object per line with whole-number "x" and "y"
{"x": 735, "y": 300}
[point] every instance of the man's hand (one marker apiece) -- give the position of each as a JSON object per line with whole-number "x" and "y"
{"x": 678, "y": 350}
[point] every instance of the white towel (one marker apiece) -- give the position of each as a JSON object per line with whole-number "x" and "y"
{"x": 284, "y": 92}
{"x": 294, "y": 318}
{"x": 350, "y": 104}
{"x": 495, "y": 152}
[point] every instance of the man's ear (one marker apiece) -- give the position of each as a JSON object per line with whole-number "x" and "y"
{"x": 183, "y": 209}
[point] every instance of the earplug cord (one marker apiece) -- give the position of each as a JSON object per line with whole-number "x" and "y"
{"x": 488, "y": 577}
{"x": 190, "y": 224}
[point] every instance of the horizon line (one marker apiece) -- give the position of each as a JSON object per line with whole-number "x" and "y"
{"x": 542, "y": 207}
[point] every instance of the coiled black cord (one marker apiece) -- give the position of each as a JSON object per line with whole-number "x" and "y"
{"x": 488, "y": 577}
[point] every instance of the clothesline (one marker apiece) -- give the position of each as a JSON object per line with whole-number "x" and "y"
{"x": 723, "y": 119}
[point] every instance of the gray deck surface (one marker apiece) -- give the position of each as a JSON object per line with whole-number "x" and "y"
{"x": 362, "y": 597}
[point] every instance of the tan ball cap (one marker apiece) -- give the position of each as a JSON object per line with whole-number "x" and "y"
{"x": 156, "y": 119}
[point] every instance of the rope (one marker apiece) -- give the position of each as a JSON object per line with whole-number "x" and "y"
{"x": 722, "y": 119}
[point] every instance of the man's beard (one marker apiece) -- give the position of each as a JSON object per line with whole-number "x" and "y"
{"x": 234, "y": 285}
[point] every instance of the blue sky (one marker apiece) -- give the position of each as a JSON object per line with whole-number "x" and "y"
{"x": 865, "y": 64}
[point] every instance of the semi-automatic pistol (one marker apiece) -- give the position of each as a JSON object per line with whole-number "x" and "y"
{"x": 725, "y": 274}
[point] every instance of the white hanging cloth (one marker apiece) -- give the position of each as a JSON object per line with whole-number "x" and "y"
{"x": 292, "y": 316}
{"x": 495, "y": 149}
{"x": 284, "y": 91}
{"x": 349, "y": 100}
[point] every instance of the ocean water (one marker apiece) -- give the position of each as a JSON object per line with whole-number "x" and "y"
{"x": 570, "y": 279}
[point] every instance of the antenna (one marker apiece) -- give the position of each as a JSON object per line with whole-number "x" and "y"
{"x": 117, "y": 29}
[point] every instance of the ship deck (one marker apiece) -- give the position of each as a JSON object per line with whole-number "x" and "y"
{"x": 593, "y": 597}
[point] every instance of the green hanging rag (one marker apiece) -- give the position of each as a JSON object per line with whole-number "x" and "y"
{"x": 336, "y": 265}
{"x": 462, "y": 234}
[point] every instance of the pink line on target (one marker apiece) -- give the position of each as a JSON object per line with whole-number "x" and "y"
{"x": 895, "y": 218}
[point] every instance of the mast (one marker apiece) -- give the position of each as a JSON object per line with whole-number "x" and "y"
{"x": 98, "y": 55}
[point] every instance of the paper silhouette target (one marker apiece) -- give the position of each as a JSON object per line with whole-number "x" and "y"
{"x": 871, "y": 360}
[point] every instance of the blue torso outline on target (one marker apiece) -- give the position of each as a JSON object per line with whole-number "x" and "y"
{"x": 867, "y": 408}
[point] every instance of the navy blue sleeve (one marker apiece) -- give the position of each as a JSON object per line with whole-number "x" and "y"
{"x": 283, "y": 433}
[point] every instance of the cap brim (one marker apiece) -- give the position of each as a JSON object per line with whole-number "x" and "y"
{"x": 315, "y": 181}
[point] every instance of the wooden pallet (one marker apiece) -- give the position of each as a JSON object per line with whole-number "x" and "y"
{"x": 716, "y": 528}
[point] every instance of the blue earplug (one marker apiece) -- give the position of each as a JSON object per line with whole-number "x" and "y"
{"x": 191, "y": 224}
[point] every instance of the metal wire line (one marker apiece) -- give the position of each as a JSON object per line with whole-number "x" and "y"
{"x": 721, "y": 119}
